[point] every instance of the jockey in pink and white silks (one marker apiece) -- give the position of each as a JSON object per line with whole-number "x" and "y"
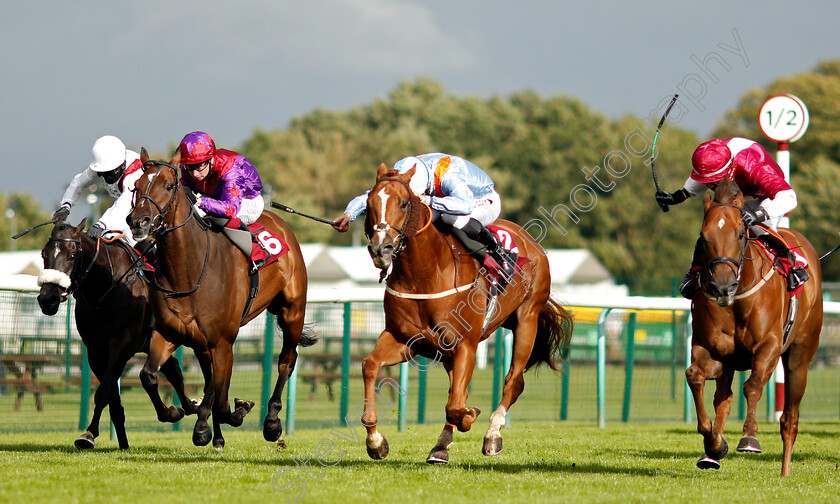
{"x": 227, "y": 183}
{"x": 758, "y": 176}
{"x": 461, "y": 195}
{"x": 118, "y": 168}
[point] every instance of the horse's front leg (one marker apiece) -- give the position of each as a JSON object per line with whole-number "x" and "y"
{"x": 703, "y": 368}
{"x": 388, "y": 352}
{"x": 159, "y": 351}
{"x": 765, "y": 358}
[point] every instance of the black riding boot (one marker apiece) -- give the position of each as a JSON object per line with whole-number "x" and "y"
{"x": 688, "y": 286}
{"x": 148, "y": 250}
{"x": 797, "y": 274}
{"x": 505, "y": 260}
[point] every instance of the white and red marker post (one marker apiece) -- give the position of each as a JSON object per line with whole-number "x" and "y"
{"x": 783, "y": 119}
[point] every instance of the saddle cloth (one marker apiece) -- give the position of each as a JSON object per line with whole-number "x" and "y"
{"x": 782, "y": 264}
{"x": 506, "y": 240}
{"x": 266, "y": 246}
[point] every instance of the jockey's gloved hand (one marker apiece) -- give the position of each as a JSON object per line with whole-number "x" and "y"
{"x": 666, "y": 198}
{"x": 751, "y": 217}
{"x": 62, "y": 213}
{"x": 96, "y": 230}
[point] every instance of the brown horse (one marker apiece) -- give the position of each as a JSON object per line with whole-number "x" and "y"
{"x": 437, "y": 305}
{"x": 202, "y": 298}
{"x": 113, "y": 314}
{"x": 739, "y": 320}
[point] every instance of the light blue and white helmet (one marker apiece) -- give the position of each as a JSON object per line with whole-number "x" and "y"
{"x": 421, "y": 181}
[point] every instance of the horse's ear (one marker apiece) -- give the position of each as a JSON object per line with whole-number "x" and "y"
{"x": 81, "y": 226}
{"x": 144, "y": 155}
{"x": 707, "y": 201}
{"x": 381, "y": 171}
{"x": 410, "y": 173}
{"x": 176, "y": 158}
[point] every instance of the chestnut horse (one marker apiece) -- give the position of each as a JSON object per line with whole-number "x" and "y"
{"x": 113, "y": 314}
{"x": 739, "y": 320}
{"x": 201, "y": 298}
{"x": 436, "y": 302}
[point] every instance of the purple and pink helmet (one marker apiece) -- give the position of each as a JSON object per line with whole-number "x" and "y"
{"x": 196, "y": 147}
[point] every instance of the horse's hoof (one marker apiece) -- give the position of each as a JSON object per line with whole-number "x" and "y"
{"x": 707, "y": 462}
{"x": 379, "y": 453}
{"x": 244, "y": 404}
{"x": 272, "y": 434}
{"x": 438, "y": 456}
{"x": 219, "y": 444}
{"x": 749, "y": 444}
{"x": 720, "y": 452}
{"x": 492, "y": 446}
{"x": 201, "y": 438}
{"x": 85, "y": 441}
{"x": 173, "y": 414}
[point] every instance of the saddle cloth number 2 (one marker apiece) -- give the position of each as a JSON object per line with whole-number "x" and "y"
{"x": 506, "y": 240}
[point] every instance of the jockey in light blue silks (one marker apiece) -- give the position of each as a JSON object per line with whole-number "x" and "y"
{"x": 461, "y": 195}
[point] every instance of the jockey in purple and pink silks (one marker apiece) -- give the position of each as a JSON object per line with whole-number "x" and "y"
{"x": 227, "y": 183}
{"x": 758, "y": 176}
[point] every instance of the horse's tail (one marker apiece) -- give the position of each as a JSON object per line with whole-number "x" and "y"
{"x": 309, "y": 336}
{"x": 554, "y": 333}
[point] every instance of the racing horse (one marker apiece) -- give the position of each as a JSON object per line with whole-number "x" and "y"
{"x": 113, "y": 314}
{"x": 201, "y": 298}
{"x": 744, "y": 318}
{"x": 438, "y": 305}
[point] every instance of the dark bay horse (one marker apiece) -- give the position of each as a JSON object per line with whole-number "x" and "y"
{"x": 436, "y": 303}
{"x": 201, "y": 294}
{"x": 738, "y": 324}
{"x": 113, "y": 314}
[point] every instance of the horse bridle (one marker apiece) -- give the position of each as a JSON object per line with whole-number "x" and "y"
{"x": 385, "y": 227}
{"x": 737, "y": 265}
{"x": 77, "y": 277}
{"x": 158, "y": 221}
{"x": 159, "y": 226}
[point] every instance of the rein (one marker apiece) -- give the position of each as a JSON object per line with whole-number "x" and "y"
{"x": 385, "y": 227}
{"x": 737, "y": 265}
{"x": 160, "y": 227}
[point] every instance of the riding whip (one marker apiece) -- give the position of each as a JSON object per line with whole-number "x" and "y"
{"x": 653, "y": 148}
{"x": 274, "y": 204}
{"x": 835, "y": 249}
{"x": 25, "y": 231}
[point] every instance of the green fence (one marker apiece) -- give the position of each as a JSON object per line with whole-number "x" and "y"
{"x": 624, "y": 365}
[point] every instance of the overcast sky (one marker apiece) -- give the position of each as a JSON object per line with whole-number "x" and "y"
{"x": 151, "y": 71}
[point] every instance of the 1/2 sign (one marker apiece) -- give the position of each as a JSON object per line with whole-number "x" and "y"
{"x": 783, "y": 118}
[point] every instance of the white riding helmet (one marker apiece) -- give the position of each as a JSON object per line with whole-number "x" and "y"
{"x": 420, "y": 181}
{"x": 108, "y": 154}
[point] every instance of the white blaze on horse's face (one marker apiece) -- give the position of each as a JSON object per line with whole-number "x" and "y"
{"x": 721, "y": 223}
{"x": 383, "y": 200}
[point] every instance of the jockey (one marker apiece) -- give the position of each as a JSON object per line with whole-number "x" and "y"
{"x": 226, "y": 183}
{"x": 462, "y": 196}
{"x": 118, "y": 169}
{"x": 759, "y": 177}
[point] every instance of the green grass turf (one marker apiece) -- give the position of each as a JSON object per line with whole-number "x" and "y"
{"x": 541, "y": 462}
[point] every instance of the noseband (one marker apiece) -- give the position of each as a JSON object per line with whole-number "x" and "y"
{"x": 159, "y": 225}
{"x": 385, "y": 227}
{"x": 736, "y": 264}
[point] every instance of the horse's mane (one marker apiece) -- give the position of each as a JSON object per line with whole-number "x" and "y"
{"x": 727, "y": 191}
